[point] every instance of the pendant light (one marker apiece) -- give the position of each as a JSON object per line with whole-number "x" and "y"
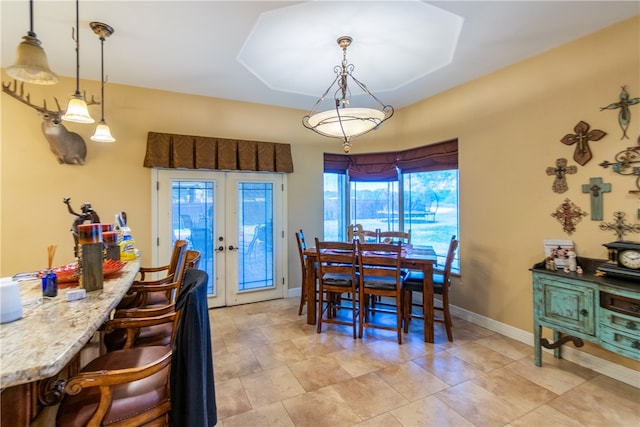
{"x": 77, "y": 110}
{"x": 103, "y": 133}
{"x": 31, "y": 64}
{"x": 342, "y": 120}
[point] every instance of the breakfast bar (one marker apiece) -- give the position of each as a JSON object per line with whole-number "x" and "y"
{"x": 47, "y": 340}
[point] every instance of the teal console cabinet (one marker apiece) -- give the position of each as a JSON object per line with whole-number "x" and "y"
{"x": 577, "y": 307}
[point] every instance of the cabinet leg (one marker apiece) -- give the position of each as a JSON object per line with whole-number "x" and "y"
{"x": 537, "y": 348}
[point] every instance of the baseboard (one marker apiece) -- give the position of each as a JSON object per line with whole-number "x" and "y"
{"x": 602, "y": 366}
{"x": 294, "y": 292}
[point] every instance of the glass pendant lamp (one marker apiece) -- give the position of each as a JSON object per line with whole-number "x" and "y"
{"x": 77, "y": 110}
{"x": 102, "y": 133}
{"x": 31, "y": 64}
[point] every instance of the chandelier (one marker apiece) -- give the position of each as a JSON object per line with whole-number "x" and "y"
{"x": 344, "y": 121}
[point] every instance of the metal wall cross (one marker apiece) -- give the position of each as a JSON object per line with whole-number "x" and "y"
{"x": 561, "y": 169}
{"x": 568, "y": 214}
{"x": 620, "y": 228}
{"x": 596, "y": 188}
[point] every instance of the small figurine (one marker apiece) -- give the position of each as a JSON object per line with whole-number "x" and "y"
{"x": 88, "y": 214}
{"x": 579, "y": 270}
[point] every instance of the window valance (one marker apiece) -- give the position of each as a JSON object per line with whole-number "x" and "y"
{"x": 382, "y": 166}
{"x": 165, "y": 150}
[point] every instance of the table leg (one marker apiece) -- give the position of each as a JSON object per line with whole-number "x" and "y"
{"x": 310, "y": 285}
{"x": 427, "y": 302}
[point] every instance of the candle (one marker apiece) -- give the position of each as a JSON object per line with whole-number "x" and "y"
{"x": 89, "y": 233}
{"x": 110, "y": 238}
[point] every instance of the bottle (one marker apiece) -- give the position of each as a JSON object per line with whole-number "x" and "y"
{"x": 127, "y": 246}
{"x": 49, "y": 284}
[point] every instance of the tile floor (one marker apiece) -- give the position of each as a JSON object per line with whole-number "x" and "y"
{"x": 272, "y": 369}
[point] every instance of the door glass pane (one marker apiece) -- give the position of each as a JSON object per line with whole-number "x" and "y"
{"x": 255, "y": 236}
{"x": 192, "y": 219}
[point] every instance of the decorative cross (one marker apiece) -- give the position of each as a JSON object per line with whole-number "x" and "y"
{"x": 624, "y": 116}
{"x": 595, "y": 187}
{"x": 619, "y": 227}
{"x": 561, "y": 169}
{"x": 625, "y": 163}
{"x": 568, "y": 214}
{"x": 582, "y": 137}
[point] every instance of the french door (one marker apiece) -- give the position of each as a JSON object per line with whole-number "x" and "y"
{"x": 236, "y": 222}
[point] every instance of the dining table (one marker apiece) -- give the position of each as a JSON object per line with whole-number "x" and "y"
{"x": 40, "y": 349}
{"x": 413, "y": 257}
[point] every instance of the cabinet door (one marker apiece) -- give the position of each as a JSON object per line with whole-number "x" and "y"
{"x": 568, "y": 306}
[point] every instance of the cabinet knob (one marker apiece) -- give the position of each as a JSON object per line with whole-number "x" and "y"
{"x": 584, "y": 312}
{"x": 636, "y": 345}
{"x": 631, "y": 325}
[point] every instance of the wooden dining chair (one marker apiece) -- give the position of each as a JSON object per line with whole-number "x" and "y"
{"x": 139, "y": 296}
{"x": 132, "y": 387}
{"x": 414, "y": 282}
{"x": 380, "y": 275}
{"x": 136, "y": 326}
{"x": 336, "y": 277}
{"x": 302, "y": 246}
{"x": 192, "y": 259}
{"x": 394, "y": 237}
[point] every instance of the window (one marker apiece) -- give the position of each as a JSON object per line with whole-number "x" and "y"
{"x": 415, "y": 190}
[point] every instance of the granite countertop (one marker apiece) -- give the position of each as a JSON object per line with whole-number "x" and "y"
{"x": 53, "y": 330}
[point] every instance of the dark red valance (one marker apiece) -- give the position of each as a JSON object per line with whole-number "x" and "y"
{"x": 165, "y": 150}
{"x": 382, "y": 166}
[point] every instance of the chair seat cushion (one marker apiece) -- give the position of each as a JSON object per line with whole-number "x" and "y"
{"x": 415, "y": 279}
{"x": 337, "y": 279}
{"x": 128, "y": 399}
{"x": 379, "y": 282}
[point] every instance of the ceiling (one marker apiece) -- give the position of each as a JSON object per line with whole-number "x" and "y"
{"x": 195, "y": 47}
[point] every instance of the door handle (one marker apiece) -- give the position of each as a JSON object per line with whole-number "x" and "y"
{"x": 233, "y": 248}
{"x": 219, "y": 248}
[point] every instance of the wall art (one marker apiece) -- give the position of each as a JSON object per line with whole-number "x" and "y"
{"x": 560, "y": 171}
{"x": 620, "y": 227}
{"x": 569, "y": 215}
{"x": 624, "y": 115}
{"x": 596, "y": 189}
{"x": 581, "y": 138}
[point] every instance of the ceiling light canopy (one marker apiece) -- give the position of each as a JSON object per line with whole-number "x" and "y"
{"x": 31, "y": 64}
{"x": 344, "y": 121}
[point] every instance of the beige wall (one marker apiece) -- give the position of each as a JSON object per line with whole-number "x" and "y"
{"x": 509, "y": 126}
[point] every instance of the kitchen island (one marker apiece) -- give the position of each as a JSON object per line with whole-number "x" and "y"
{"x": 43, "y": 346}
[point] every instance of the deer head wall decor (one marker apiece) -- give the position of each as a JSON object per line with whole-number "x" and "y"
{"x": 68, "y": 147}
